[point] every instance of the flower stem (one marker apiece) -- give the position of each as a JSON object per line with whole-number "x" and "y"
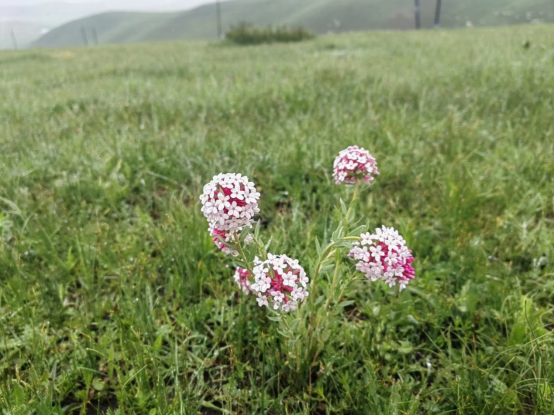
{"x": 241, "y": 253}
{"x": 354, "y": 199}
{"x": 334, "y": 281}
{"x": 322, "y": 257}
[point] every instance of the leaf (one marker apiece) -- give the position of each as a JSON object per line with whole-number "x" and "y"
{"x": 98, "y": 384}
{"x": 294, "y": 324}
{"x": 257, "y": 230}
{"x": 343, "y": 207}
{"x": 326, "y": 268}
{"x": 526, "y": 323}
{"x": 338, "y": 232}
{"x": 546, "y": 393}
{"x": 14, "y": 209}
{"x": 346, "y": 303}
{"x": 405, "y": 347}
{"x": 158, "y": 343}
{"x": 358, "y": 230}
{"x": 244, "y": 233}
{"x": 251, "y": 252}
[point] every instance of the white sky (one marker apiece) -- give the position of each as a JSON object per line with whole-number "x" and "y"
{"x": 51, "y": 13}
{"x": 129, "y": 4}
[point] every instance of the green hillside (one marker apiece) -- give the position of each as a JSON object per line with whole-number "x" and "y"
{"x": 320, "y": 16}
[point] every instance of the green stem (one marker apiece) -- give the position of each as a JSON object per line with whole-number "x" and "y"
{"x": 241, "y": 253}
{"x": 354, "y": 199}
{"x": 323, "y": 256}
{"x": 261, "y": 249}
{"x": 338, "y": 257}
{"x": 334, "y": 281}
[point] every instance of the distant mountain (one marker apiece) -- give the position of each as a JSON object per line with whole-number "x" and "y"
{"x": 320, "y": 16}
{"x": 29, "y": 19}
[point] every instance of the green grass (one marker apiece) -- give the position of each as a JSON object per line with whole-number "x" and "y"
{"x": 318, "y": 16}
{"x": 114, "y": 299}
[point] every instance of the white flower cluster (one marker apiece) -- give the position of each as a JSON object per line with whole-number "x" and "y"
{"x": 281, "y": 281}
{"x": 384, "y": 255}
{"x": 352, "y": 164}
{"x": 229, "y": 203}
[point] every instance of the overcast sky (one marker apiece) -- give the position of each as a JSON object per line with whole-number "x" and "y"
{"x": 51, "y": 13}
{"x": 184, "y": 3}
{"x": 128, "y": 4}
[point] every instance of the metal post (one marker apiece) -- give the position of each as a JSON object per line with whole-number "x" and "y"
{"x": 438, "y": 13}
{"x": 14, "y": 40}
{"x": 218, "y": 12}
{"x": 84, "y": 35}
{"x": 94, "y": 36}
{"x": 418, "y": 14}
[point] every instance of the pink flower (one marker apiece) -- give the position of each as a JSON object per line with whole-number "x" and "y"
{"x": 280, "y": 281}
{"x": 242, "y": 278}
{"x": 220, "y": 237}
{"x": 353, "y": 164}
{"x": 229, "y": 202}
{"x": 384, "y": 256}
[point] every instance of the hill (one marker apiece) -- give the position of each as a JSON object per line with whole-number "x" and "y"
{"x": 320, "y": 16}
{"x": 29, "y": 19}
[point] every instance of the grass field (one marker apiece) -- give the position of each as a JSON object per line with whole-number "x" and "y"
{"x": 114, "y": 299}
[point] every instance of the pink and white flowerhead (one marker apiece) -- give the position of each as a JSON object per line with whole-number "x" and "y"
{"x": 384, "y": 255}
{"x": 279, "y": 282}
{"x": 221, "y": 238}
{"x": 354, "y": 164}
{"x": 242, "y": 278}
{"x": 229, "y": 202}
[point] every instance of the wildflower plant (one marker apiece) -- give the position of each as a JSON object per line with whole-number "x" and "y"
{"x": 230, "y": 203}
{"x": 280, "y": 283}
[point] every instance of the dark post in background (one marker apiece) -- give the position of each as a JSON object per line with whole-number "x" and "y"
{"x": 218, "y": 17}
{"x": 417, "y": 14}
{"x": 438, "y": 13}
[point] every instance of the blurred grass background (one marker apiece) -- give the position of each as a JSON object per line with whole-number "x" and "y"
{"x": 114, "y": 299}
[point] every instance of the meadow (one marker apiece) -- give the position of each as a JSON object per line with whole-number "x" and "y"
{"x": 114, "y": 299}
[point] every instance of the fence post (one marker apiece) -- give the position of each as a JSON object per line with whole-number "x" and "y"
{"x": 438, "y": 13}
{"x": 418, "y": 14}
{"x": 218, "y": 17}
{"x": 14, "y": 40}
{"x": 94, "y": 36}
{"x": 84, "y": 35}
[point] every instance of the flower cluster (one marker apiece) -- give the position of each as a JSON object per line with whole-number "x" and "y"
{"x": 229, "y": 203}
{"x": 242, "y": 278}
{"x": 353, "y": 164}
{"x": 220, "y": 238}
{"x": 384, "y": 255}
{"x": 281, "y": 281}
